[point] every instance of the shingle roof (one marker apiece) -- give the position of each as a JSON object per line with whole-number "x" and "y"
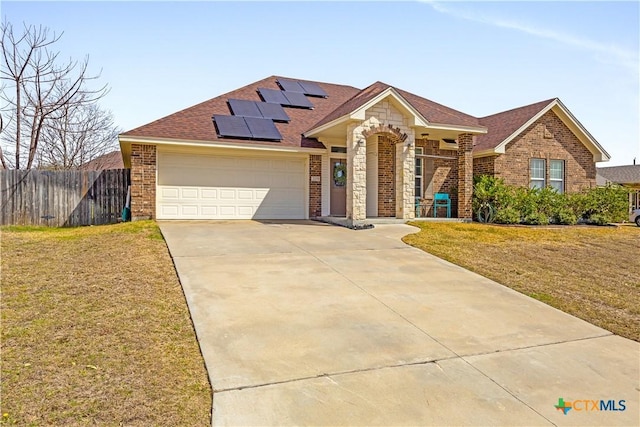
{"x": 629, "y": 174}
{"x": 195, "y": 123}
{"x": 112, "y": 160}
{"x": 503, "y": 124}
{"x": 432, "y": 111}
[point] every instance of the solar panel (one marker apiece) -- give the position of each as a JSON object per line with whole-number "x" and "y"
{"x": 244, "y": 108}
{"x": 297, "y": 100}
{"x": 263, "y": 129}
{"x": 232, "y": 126}
{"x": 273, "y": 96}
{"x": 272, "y": 111}
{"x": 312, "y": 89}
{"x": 291, "y": 85}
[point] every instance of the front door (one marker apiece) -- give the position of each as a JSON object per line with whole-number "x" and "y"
{"x": 338, "y": 193}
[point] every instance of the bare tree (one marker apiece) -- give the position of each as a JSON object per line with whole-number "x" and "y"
{"x": 76, "y": 134}
{"x": 39, "y": 86}
{"x": 2, "y": 161}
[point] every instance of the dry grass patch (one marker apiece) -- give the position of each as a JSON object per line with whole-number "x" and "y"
{"x": 96, "y": 330}
{"x": 590, "y": 272}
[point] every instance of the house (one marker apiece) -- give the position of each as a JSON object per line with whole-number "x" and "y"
{"x": 111, "y": 160}
{"x": 283, "y": 148}
{"x": 627, "y": 176}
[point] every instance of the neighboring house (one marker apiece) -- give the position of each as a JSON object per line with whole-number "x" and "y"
{"x": 112, "y": 160}
{"x": 282, "y": 148}
{"x": 627, "y": 176}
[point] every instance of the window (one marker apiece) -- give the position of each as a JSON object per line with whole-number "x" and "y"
{"x": 418, "y": 188}
{"x": 537, "y": 168}
{"x": 556, "y": 175}
{"x": 335, "y": 149}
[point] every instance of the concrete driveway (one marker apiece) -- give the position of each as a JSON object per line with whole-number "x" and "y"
{"x": 303, "y": 323}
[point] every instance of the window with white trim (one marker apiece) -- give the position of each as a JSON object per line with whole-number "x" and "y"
{"x": 419, "y": 169}
{"x": 556, "y": 175}
{"x": 537, "y": 168}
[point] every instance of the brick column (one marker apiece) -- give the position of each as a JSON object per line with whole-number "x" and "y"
{"x": 315, "y": 186}
{"x": 465, "y": 175}
{"x": 356, "y": 175}
{"x": 143, "y": 181}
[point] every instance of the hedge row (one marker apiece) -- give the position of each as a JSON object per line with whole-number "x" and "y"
{"x": 495, "y": 201}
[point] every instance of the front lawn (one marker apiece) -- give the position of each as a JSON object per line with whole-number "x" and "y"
{"x": 590, "y": 272}
{"x": 95, "y": 330}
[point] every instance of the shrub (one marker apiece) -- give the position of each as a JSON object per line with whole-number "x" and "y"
{"x": 507, "y": 215}
{"x": 513, "y": 205}
{"x": 602, "y": 205}
{"x": 488, "y": 190}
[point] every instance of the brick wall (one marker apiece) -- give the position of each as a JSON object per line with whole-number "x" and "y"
{"x": 445, "y": 176}
{"x": 484, "y": 165}
{"x": 315, "y": 186}
{"x": 386, "y": 179}
{"x": 143, "y": 181}
{"x": 548, "y": 138}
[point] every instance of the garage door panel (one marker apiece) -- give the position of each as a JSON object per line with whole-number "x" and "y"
{"x": 189, "y": 193}
{"x": 228, "y": 211}
{"x": 170, "y": 193}
{"x": 227, "y": 194}
{"x": 189, "y": 210}
{"x": 210, "y": 211}
{"x": 227, "y": 187}
{"x": 209, "y": 193}
{"x": 244, "y": 194}
{"x": 168, "y": 211}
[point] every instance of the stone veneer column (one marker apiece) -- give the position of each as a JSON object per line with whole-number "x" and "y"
{"x": 405, "y": 177}
{"x": 356, "y": 176}
{"x": 465, "y": 176}
{"x": 143, "y": 181}
{"x": 315, "y": 186}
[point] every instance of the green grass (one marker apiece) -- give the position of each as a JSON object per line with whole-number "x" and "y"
{"x": 589, "y": 272}
{"x": 95, "y": 330}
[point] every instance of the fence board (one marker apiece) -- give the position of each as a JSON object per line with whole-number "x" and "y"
{"x": 62, "y": 198}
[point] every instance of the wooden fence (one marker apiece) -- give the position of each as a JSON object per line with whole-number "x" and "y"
{"x": 62, "y": 198}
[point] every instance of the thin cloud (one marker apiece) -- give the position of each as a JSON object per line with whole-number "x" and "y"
{"x": 625, "y": 57}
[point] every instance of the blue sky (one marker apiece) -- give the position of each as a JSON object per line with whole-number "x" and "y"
{"x": 477, "y": 57}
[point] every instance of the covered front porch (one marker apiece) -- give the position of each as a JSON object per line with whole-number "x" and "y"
{"x": 386, "y": 161}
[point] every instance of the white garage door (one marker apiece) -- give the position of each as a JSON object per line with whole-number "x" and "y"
{"x": 230, "y": 187}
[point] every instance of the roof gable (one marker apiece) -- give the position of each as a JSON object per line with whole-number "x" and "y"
{"x": 506, "y": 126}
{"x": 424, "y": 111}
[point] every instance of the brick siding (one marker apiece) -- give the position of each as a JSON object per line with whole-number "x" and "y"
{"x": 315, "y": 186}
{"x": 484, "y": 166}
{"x": 143, "y": 181}
{"x": 465, "y": 175}
{"x": 386, "y": 178}
{"x": 550, "y": 139}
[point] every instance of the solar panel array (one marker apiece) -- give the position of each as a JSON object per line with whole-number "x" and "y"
{"x": 246, "y": 127}
{"x": 306, "y": 88}
{"x": 284, "y": 98}
{"x": 260, "y": 110}
{"x": 255, "y": 119}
